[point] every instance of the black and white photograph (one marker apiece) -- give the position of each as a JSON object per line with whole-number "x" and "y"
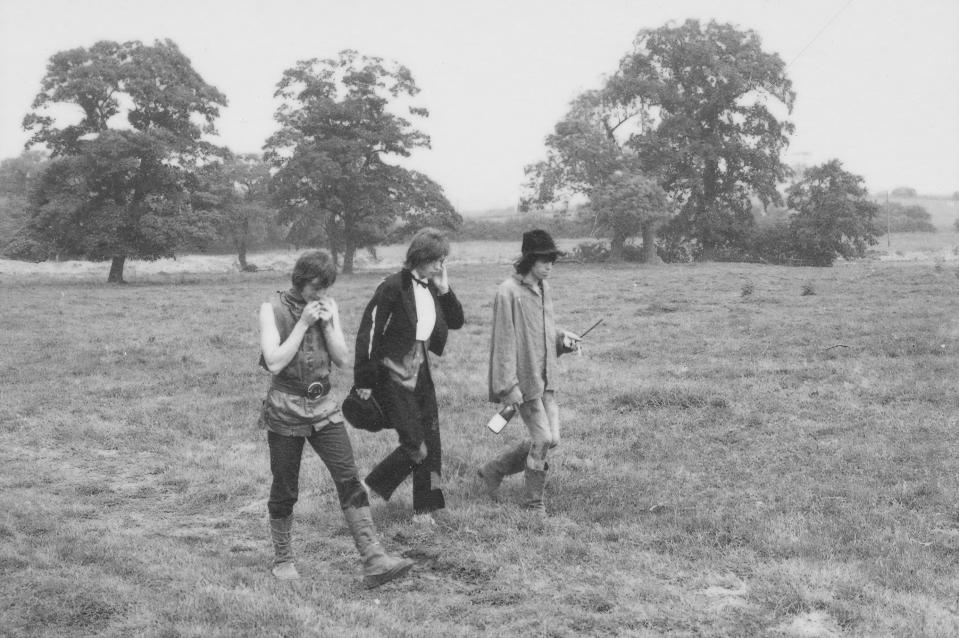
{"x": 508, "y": 317}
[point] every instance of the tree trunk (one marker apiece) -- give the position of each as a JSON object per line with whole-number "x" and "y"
{"x": 241, "y": 254}
{"x": 650, "y": 256}
{"x": 116, "y": 270}
{"x": 348, "y": 251}
{"x": 331, "y": 241}
{"x": 709, "y": 233}
{"x": 241, "y": 243}
{"x": 616, "y": 248}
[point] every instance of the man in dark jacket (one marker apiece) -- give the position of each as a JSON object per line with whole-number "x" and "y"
{"x": 409, "y": 316}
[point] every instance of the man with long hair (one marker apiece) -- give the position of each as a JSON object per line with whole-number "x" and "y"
{"x": 522, "y": 368}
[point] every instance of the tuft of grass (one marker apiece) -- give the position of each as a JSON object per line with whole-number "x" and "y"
{"x": 807, "y": 289}
{"x": 747, "y": 289}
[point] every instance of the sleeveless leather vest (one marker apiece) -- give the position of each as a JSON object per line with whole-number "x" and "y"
{"x": 311, "y": 362}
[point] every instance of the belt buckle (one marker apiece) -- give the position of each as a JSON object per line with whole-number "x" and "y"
{"x": 315, "y": 390}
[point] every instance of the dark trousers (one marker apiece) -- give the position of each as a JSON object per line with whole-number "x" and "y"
{"x": 332, "y": 444}
{"x": 414, "y": 416}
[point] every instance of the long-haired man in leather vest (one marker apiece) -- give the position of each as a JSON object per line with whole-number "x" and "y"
{"x": 301, "y": 338}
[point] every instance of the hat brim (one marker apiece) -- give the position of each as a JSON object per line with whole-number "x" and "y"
{"x": 546, "y": 253}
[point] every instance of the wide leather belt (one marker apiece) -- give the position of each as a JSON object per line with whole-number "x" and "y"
{"x": 314, "y": 390}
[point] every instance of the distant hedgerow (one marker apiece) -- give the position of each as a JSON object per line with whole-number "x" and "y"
{"x": 598, "y": 251}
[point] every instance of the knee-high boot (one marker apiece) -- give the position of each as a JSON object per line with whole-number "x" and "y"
{"x": 534, "y": 499}
{"x": 281, "y": 531}
{"x": 512, "y": 461}
{"x": 378, "y": 566}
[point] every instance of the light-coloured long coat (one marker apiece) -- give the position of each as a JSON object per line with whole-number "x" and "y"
{"x": 525, "y": 341}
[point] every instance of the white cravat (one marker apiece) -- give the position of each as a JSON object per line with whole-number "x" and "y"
{"x": 425, "y": 311}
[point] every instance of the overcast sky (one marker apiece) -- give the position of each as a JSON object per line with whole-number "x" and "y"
{"x": 877, "y": 81}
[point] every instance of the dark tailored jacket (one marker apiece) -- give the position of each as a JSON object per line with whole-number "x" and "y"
{"x": 388, "y": 326}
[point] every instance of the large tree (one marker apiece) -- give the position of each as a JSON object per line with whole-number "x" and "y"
{"x": 340, "y": 135}
{"x": 833, "y": 215}
{"x": 119, "y": 182}
{"x": 701, "y": 109}
{"x": 585, "y": 157}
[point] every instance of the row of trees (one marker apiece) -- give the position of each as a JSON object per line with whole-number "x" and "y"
{"x": 680, "y": 144}
{"x": 135, "y": 175}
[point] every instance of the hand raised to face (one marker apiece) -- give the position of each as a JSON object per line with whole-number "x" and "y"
{"x": 320, "y": 310}
{"x": 441, "y": 279}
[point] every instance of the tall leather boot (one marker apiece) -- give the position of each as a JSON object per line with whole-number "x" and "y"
{"x": 535, "y": 487}
{"x": 512, "y": 461}
{"x": 281, "y": 531}
{"x": 378, "y": 566}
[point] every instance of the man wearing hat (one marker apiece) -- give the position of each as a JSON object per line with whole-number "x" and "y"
{"x": 522, "y": 370}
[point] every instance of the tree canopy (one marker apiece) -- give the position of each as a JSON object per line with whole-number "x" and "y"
{"x": 627, "y": 205}
{"x": 700, "y": 109}
{"x": 898, "y": 218}
{"x": 340, "y": 133}
{"x": 119, "y": 182}
{"x": 586, "y": 158}
{"x": 833, "y": 215}
{"x": 236, "y": 191}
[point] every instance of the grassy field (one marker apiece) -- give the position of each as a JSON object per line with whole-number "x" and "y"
{"x": 747, "y": 451}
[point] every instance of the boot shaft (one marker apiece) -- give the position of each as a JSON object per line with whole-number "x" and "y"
{"x": 360, "y": 522}
{"x": 535, "y": 488}
{"x": 281, "y": 532}
{"x": 378, "y": 566}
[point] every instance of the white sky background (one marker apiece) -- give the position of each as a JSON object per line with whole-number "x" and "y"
{"x": 877, "y": 81}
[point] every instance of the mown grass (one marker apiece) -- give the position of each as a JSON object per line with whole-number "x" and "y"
{"x": 731, "y": 464}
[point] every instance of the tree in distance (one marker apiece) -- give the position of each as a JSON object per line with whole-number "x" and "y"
{"x": 120, "y": 178}
{"x": 905, "y": 192}
{"x": 586, "y": 158}
{"x": 833, "y": 215}
{"x": 236, "y": 190}
{"x": 18, "y": 176}
{"x": 906, "y": 219}
{"x": 699, "y": 109}
{"x": 626, "y": 205}
{"x": 335, "y": 181}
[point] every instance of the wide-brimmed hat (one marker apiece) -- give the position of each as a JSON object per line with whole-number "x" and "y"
{"x": 538, "y": 242}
